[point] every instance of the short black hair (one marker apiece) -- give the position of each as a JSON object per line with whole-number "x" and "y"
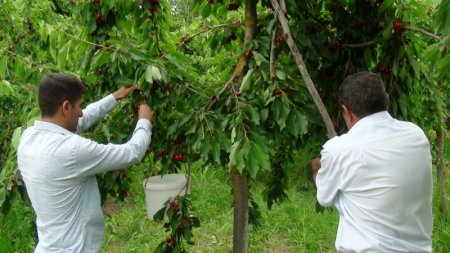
{"x": 364, "y": 94}
{"x": 55, "y": 88}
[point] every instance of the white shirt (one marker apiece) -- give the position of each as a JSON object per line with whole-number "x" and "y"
{"x": 59, "y": 167}
{"x": 379, "y": 177}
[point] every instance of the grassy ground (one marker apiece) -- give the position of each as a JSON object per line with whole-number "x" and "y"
{"x": 291, "y": 226}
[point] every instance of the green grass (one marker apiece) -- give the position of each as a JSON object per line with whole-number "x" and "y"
{"x": 291, "y": 226}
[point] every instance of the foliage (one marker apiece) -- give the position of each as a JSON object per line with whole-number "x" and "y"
{"x": 180, "y": 223}
{"x": 216, "y": 97}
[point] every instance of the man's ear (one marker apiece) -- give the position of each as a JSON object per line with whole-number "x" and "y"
{"x": 65, "y": 107}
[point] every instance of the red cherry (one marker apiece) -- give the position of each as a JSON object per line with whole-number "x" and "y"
{"x": 170, "y": 242}
{"x": 180, "y": 229}
{"x": 277, "y": 92}
{"x": 248, "y": 54}
{"x": 401, "y": 62}
{"x": 96, "y": 3}
{"x": 398, "y": 26}
{"x": 170, "y": 86}
{"x": 280, "y": 39}
{"x": 233, "y": 6}
{"x": 175, "y": 206}
{"x": 99, "y": 18}
{"x": 161, "y": 153}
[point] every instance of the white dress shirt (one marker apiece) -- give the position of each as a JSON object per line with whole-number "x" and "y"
{"x": 379, "y": 178}
{"x": 59, "y": 167}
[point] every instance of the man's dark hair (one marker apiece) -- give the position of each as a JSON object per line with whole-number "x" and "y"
{"x": 54, "y": 89}
{"x": 364, "y": 94}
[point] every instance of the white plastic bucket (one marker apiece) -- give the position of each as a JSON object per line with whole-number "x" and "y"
{"x": 158, "y": 189}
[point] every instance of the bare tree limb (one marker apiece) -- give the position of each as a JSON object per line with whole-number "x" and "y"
{"x": 432, "y": 35}
{"x": 272, "y": 54}
{"x": 186, "y": 39}
{"x": 360, "y": 45}
{"x": 301, "y": 66}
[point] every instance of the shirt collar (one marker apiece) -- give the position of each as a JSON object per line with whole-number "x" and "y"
{"x": 370, "y": 120}
{"x": 48, "y": 126}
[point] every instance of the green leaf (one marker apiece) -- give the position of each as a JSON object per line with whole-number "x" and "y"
{"x": 233, "y": 134}
{"x": 159, "y": 215}
{"x": 3, "y": 67}
{"x": 443, "y": 66}
{"x": 442, "y": 18}
{"x": 100, "y": 58}
{"x": 2, "y": 195}
{"x": 53, "y": 41}
{"x": 281, "y": 74}
{"x": 368, "y": 57}
{"x": 233, "y": 154}
{"x": 149, "y": 74}
{"x": 5, "y": 89}
{"x": 304, "y": 40}
{"x": 63, "y": 55}
{"x": 43, "y": 32}
{"x": 16, "y": 138}
{"x": 302, "y": 122}
{"x": 136, "y": 54}
{"x": 156, "y": 74}
{"x": 280, "y": 111}
{"x": 254, "y": 115}
{"x": 246, "y": 81}
{"x": 432, "y": 52}
{"x": 264, "y": 114}
{"x": 292, "y": 124}
{"x": 258, "y": 159}
{"x": 259, "y": 58}
{"x": 386, "y": 6}
{"x": 242, "y": 156}
{"x": 216, "y": 151}
{"x": 416, "y": 66}
{"x": 206, "y": 10}
{"x": 387, "y": 32}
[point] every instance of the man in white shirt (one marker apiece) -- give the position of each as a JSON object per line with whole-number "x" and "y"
{"x": 378, "y": 175}
{"x": 58, "y": 166}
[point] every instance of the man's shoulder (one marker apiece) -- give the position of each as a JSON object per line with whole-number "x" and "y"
{"x": 338, "y": 143}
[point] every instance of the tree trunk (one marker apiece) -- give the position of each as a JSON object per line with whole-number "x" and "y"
{"x": 240, "y": 205}
{"x": 441, "y": 174}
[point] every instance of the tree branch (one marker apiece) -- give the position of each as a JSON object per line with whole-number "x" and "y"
{"x": 432, "y": 35}
{"x": 360, "y": 45}
{"x": 272, "y": 54}
{"x": 186, "y": 39}
{"x": 302, "y": 67}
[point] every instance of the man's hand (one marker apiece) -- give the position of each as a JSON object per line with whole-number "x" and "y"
{"x": 314, "y": 166}
{"x": 146, "y": 112}
{"x": 123, "y": 92}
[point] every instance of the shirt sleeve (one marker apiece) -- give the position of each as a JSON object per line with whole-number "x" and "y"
{"x": 95, "y": 111}
{"x": 93, "y": 158}
{"x": 328, "y": 179}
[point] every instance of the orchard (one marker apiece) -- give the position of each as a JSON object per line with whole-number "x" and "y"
{"x": 240, "y": 85}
